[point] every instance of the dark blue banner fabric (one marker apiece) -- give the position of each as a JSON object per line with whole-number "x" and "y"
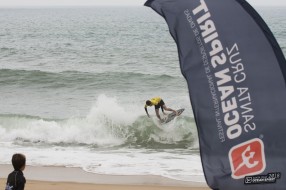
{"x": 235, "y": 72}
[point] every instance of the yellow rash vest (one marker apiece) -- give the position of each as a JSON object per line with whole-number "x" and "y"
{"x": 154, "y": 101}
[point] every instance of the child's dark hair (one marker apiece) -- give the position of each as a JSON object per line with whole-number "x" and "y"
{"x": 18, "y": 161}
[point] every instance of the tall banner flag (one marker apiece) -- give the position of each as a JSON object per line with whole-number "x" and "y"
{"x": 236, "y": 74}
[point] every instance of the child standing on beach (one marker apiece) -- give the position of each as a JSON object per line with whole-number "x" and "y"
{"x": 16, "y": 179}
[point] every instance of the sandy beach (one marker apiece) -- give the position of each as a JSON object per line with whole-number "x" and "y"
{"x": 49, "y": 178}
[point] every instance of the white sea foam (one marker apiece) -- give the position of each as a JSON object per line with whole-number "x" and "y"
{"x": 174, "y": 165}
{"x": 92, "y": 142}
{"x": 107, "y": 124}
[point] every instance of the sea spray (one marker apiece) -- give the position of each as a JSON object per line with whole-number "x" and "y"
{"x": 108, "y": 124}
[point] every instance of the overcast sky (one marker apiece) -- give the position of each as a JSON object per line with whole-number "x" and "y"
{"x": 110, "y": 2}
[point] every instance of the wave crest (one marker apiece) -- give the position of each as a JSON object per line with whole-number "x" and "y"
{"x": 108, "y": 124}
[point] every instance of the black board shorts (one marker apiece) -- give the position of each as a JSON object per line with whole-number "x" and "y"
{"x": 161, "y": 103}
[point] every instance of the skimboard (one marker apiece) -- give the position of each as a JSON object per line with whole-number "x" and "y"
{"x": 172, "y": 116}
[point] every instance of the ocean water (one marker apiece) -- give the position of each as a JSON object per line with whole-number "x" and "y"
{"x": 74, "y": 82}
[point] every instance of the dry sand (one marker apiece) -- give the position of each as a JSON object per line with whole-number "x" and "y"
{"x": 56, "y": 178}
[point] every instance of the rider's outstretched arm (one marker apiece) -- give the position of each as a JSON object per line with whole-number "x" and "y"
{"x": 147, "y": 112}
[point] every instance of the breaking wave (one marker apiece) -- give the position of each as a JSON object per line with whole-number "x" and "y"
{"x": 107, "y": 124}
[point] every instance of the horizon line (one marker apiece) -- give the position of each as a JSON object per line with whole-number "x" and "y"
{"x": 86, "y": 6}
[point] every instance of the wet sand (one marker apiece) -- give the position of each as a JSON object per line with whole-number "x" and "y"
{"x": 54, "y": 178}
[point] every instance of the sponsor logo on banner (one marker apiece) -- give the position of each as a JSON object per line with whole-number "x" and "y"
{"x": 260, "y": 179}
{"x": 218, "y": 58}
{"x": 232, "y": 98}
{"x": 247, "y": 158}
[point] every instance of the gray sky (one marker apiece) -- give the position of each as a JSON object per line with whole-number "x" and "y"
{"x": 111, "y": 2}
